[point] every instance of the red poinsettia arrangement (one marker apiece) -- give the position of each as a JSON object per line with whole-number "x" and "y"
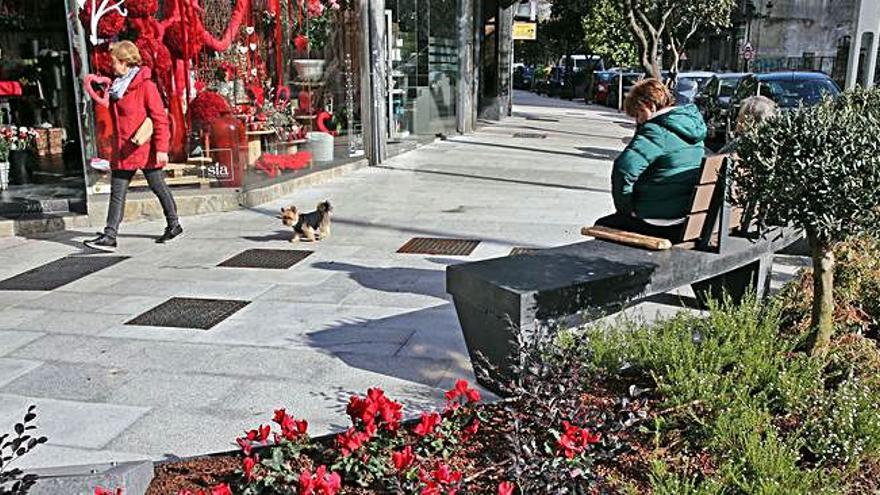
{"x": 207, "y": 107}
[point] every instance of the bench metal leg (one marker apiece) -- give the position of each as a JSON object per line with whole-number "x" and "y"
{"x": 737, "y": 283}
{"x": 488, "y": 338}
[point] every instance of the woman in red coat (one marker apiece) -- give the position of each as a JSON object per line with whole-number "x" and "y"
{"x": 133, "y": 99}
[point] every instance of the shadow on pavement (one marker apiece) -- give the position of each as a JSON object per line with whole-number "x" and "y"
{"x": 423, "y": 346}
{"x": 595, "y": 153}
{"x": 278, "y": 235}
{"x": 502, "y": 179}
{"x": 423, "y": 281}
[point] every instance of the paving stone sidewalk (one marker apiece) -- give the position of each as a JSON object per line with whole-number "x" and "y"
{"x": 354, "y": 314}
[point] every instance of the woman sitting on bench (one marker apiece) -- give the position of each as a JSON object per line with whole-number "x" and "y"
{"x": 653, "y": 179}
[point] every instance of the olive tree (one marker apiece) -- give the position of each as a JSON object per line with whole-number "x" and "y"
{"x": 817, "y": 169}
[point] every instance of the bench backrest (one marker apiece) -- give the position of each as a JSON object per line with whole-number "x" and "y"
{"x": 711, "y": 217}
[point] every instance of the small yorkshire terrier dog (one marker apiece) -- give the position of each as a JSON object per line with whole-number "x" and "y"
{"x": 314, "y": 225}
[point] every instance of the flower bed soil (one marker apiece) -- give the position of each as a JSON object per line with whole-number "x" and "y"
{"x": 483, "y": 463}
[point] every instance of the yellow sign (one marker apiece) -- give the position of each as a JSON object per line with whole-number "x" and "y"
{"x": 525, "y": 30}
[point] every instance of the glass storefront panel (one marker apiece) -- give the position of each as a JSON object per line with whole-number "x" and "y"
{"x": 295, "y": 105}
{"x": 38, "y": 111}
{"x": 423, "y": 60}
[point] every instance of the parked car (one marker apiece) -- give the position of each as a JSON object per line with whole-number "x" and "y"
{"x": 542, "y": 80}
{"x": 597, "y": 92}
{"x": 522, "y": 77}
{"x": 714, "y": 102}
{"x": 629, "y": 80}
{"x": 790, "y": 90}
{"x": 688, "y": 84}
{"x": 573, "y": 84}
{"x": 555, "y": 81}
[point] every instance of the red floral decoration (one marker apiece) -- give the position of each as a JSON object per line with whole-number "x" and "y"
{"x": 101, "y": 60}
{"x": 195, "y": 38}
{"x": 206, "y": 107}
{"x": 145, "y": 27}
{"x": 110, "y": 24}
{"x": 142, "y": 8}
{"x": 301, "y": 43}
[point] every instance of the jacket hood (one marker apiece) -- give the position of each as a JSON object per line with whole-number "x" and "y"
{"x": 685, "y": 121}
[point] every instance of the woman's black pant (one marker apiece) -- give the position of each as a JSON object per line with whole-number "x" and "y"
{"x": 120, "y": 179}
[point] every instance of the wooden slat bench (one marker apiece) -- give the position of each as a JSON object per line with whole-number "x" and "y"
{"x": 574, "y": 284}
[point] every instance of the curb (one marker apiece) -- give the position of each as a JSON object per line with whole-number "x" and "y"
{"x": 133, "y": 477}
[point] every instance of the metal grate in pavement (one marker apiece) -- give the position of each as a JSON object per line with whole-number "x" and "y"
{"x": 530, "y": 135}
{"x": 431, "y": 245}
{"x": 522, "y": 250}
{"x": 59, "y": 272}
{"x": 542, "y": 119}
{"x": 186, "y": 312}
{"x": 276, "y": 259}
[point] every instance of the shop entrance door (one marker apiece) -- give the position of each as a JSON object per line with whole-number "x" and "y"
{"x": 422, "y": 68}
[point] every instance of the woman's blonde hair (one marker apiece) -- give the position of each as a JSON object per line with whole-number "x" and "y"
{"x": 126, "y": 52}
{"x": 645, "y": 94}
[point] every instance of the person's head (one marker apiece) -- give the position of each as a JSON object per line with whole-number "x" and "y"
{"x": 123, "y": 56}
{"x": 646, "y": 98}
{"x": 754, "y": 110}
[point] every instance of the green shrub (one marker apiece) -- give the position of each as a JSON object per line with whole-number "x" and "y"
{"x": 772, "y": 420}
{"x": 841, "y": 426}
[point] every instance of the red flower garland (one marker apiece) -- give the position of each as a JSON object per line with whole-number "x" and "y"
{"x": 207, "y": 107}
{"x": 109, "y": 26}
{"x": 195, "y": 37}
{"x": 101, "y": 60}
{"x": 142, "y": 8}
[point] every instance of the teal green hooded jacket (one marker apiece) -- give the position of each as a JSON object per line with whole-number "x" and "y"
{"x": 655, "y": 175}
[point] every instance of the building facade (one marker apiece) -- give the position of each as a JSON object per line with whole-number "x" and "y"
{"x": 784, "y": 35}
{"x": 306, "y": 84}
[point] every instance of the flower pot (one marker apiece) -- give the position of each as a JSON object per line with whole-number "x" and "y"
{"x": 4, "y": 176}
{"x": 18, "y": 167}
{"x": 309, "y": 70}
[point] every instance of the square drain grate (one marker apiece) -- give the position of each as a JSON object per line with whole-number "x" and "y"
{"x": 517, "y": 251}
{"x": 530, "y": 135}
{"x": 277, "y": 259}
{"x": 431, "y": 245}
{"x": 59, "y": 272}
{"x": 185, "y": 312}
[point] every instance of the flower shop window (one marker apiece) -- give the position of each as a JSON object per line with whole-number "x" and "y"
{"x": 40, "y": 159}
{"x": 257, "y": 91}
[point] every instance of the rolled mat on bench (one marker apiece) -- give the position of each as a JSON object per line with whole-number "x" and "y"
{"x": 628, "y": 238}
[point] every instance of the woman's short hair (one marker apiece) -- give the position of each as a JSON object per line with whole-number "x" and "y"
{"x": 126, "y": 52}
{"x": 648, "y": 93}
{"x": 754, "y": 110}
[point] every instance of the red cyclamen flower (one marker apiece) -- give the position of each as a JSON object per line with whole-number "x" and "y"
{"x": 428, "y": 424}
{"x": 351, "y": 440}
{"x": 221, "y": 489}
{"x": 245, "y": 445}
{"x": 321, "y": 483}
{"x": 462, "y": 389}
{"x": 506, "y": 488}
{"x": 575, "y": 440}
{"x": 403, "y": 459}
{"x": 470, "y": 430}
{"x": 247, "y": 466}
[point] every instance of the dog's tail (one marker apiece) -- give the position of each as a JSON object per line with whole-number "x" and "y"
{"x": 325, "y": 206}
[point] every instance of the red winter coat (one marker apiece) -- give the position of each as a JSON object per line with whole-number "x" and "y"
{"x": 141, "y": 100}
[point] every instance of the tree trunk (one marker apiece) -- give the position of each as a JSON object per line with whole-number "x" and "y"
{"x": 823, "y": 296}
